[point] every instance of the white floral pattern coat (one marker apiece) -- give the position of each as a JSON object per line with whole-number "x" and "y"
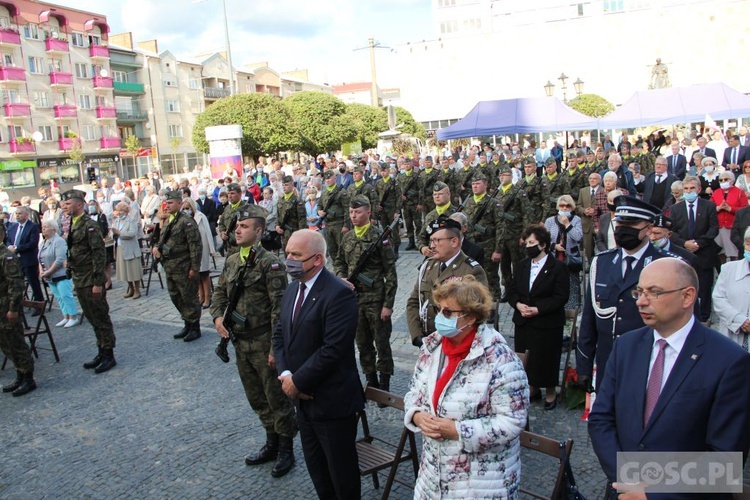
{"x": 488, "y": 397}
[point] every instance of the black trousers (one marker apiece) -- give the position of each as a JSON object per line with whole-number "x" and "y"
{"x": 331, "y": 456}
{"x": 705, "y": 285}
{"x": 32, "y": 276}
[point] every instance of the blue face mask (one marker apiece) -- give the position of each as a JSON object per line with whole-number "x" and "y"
{"x": 447, "y": 326}
{"x": 202, "y": 197}
{"x": 747, "y": 255}
{"x": 690, "y": 197}
{"x": 564, "y": 213}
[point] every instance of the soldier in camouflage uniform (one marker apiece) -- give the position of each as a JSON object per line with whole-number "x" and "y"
{"x": 448, "y": 175}
{"x": 227, "y": 220}
{"x": 389, "y": 201}
{"x": 493, "y": 179}
{"x": 448, "y": 263}
{"x": 375, "y": 302}
{"x": 427, "y": 180}
{"x": 557, "y": 185}
{"x": 487, "y": 169}
{"x": 644, "y": 158}
{"x": 537, "y": 191}
{"x": 180, "y": 250}
{"x": 574, "y": 172}
{"x": 486, "y": 229}
{"x": 87, "y": 260}
{"x": 516, "y": 216}
{"x": 292, "y": 214}
{"x": 260, "y": 304}
{"x": 360, "y": 187}
{"x": 336, "y": 200}
{"x": 441, "y": 196}
{"x": 408, "y": 183}
{"x": 464, "y": 176}
{"x": 12, "y": 343}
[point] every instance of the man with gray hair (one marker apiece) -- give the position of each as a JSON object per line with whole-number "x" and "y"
{"x": 23, "y": 240}
{"x": 624, "y": 176}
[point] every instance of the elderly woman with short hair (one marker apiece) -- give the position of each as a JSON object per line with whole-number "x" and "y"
{"x": 129, "y": 268}
{"x": 190, "y": 208}
{"x": 53, "y": 254}
{"x": 469, "y": 398}
{"x": 566, "y": 233}
{"x": 731, "y": 298}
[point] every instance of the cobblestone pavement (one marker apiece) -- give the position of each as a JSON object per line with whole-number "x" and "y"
{"x": 172, "y": 421}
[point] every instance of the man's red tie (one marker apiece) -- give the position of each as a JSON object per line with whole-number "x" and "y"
{"x": 654, "y": 382}
{"x": 300, "y": 300}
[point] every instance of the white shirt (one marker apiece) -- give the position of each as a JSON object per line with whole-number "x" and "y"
{"x": 535, "y": 268}
{"x": 674, "y": 346}
{"x": 449, "y": 261}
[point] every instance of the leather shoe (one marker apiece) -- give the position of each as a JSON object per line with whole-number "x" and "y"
{"x": 15, "y": 384}
{"x": 267, "y": 453}
{"x": 550, "y": 405}
{"x": 183, "y": 333}
{"x": 194, "y": 333}
{"x": 90, "y": 365}
{"x": 27, "y": 385}
{"x": 285, "y": 459}
{"x": 108, "y": 362}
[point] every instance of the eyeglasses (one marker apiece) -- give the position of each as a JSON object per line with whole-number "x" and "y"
{"x": 448, "y": 313}
{"x": 438, "y": 240}
{"x": 637, "y": 293}
{"x": 565, "y": 205}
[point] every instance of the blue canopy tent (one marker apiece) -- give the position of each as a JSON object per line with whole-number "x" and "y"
{"x": 678, "y": 105}
{"x": 519, "y": 116}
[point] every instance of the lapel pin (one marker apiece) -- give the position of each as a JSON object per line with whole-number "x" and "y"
{"x": 694, "y": 357}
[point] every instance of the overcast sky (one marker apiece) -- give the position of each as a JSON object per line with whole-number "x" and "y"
{"x": 318, "y": 35}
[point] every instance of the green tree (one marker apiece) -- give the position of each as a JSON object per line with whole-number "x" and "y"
{"x": 174, "y": 144}
{"x": 264, "y": 119}
{"x": 320, "y": 122}
{"x": 369, "y": 122}
{"x": 410, "y": 126}
{"x": 132, "y": 146}
{"x": 591, "y": 105}
{"x": 76, "y": 153}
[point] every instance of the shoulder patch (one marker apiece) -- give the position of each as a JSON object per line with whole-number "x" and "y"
{"x": 275, "y": 266}
{"x": 91, "y": 230}
{"x": 9, "y": 257}
{"x": 471, "y": 262}
{"x": 386, "y": 242}
{"x": 188, "y": 224}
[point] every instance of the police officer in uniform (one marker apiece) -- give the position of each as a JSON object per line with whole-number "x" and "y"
{"x": 448, "y": 263}
{"x": 360, "y": 187}
{"x": 557, "y": 185}
{"x": 516, "y": 216}
{"x": 336, "y": 200}
{"x": 389, "y": 199}
{"x": 376, "y": 292}
{"x": 427, "y": 180}
{"x": 609, "y": 309}
{"x": 408, "y": 182}
{"x": 441, "y": 196}
{"x": 12, "y": 343}
{"x": 264, "y": 284}
{"x": 487, "y": 230}
{"x": 537, "y": 191}
{"x": 87, "y": 260}
{"x": 227, "y": 220}
{"x": 180, "y": 250}
{"x": 291, "y": 210}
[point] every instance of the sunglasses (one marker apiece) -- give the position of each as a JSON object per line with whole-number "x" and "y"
{"x": 448, "y": 313}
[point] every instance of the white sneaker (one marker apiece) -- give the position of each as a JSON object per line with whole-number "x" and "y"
{"x": 73, "y": 322}
{"x": 62, "y": 323}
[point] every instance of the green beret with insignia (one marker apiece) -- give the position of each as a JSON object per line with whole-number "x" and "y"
{"x": 73, "y": 194}
{"x": 529, "y": 160}
{"x": 439, "y": 186}
{"x": 359, "y": 170}
{"x": 479, "y": 177}
{"x": 359, "y": 201}
{"x": 328, "y": 174}
{"x": 174, "y": 195}
{"x": 236, "y": 188}
{"x": 504, "y": 169}
{"x": 252, "y": 212}
{"x": 287, "y": 179}
{"x": 550, "y": 161}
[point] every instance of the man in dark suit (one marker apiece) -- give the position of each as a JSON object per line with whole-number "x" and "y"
{"x": 677, "y": 162}
{"x": 702, "y": 149}
{"x": 735, "y": 155}
{"x": 739, "y": 226}
{"x": 673, "y": 385}
{"x": 313, "y": 346}
{"x": 207, "y": 206}
{"x": 23, "y": 240}
{"x": 695, "y": 227}
{"x": 657, "y": 186}
{"x": 609, "y": 309}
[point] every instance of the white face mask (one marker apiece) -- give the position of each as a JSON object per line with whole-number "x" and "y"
{"x": 660, "y": 243}
{"x": 709, "y": 169}
{"x": 725, "y": 185}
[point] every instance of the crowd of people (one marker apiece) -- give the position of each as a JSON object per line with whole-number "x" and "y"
{"x": 509, "y": 224}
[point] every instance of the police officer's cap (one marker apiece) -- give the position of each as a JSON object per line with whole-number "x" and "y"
{"x": 551, "y": 161}
{"x": 73, "y": 194}
{"x": 359, "y": 201}
{"x": 439, "y": 186}
{"x": 252, "y": 212}
{"x": 631, "y": 209}
{"x": 444, "y": 222}
{"x": 175, "y": 194}
{"x": 328, "y": 174}
{"x": 479, "y": 177}
{"x": 662, "y": 220}
{"x": 236, "y": 188}
{"x": 287, "y": 179}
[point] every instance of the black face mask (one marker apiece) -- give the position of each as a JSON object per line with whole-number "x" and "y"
{"x": 533, "y": 252}
{"x": 627, "y": 237}
{"x": 342, "y": 170}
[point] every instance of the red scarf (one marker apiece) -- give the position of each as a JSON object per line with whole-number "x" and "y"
{"x": 455, "y": 353}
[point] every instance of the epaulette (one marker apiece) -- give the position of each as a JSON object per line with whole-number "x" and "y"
{"x": 608, "y": 251}
{"x": 471, "y": 262}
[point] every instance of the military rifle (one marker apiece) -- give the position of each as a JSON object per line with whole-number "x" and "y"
{"x": 162, "y": 247}
{"x": 231, "y": 316}
{"x": 356, "y": 274}
{"x": 480, "y": 211}
{"x": 329, "y": 203}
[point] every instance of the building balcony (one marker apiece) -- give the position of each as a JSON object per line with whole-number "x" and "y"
{"x": 106, "y": 113}
{"x": 13, "y": 109}
{"x": 9, "y": 74}
{"x": 65, "y": 111}
{"x": 109, "y": 143}
{"x": 132, "y": 116}
{"x": 66, "y": 143}
{"x": 53, "y": 45}
{"x": 9, "y": 37}
{"x": 98, "y": 52}
{"x": 128, "y": 88}
{"x": 60, "y": 78}
{"x": 215, "y": 93}
{"x": 103, "y": 82}
{"x": 21, "y": 146}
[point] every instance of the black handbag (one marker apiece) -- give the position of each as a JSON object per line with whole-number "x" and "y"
{"x": 574, "y": 262}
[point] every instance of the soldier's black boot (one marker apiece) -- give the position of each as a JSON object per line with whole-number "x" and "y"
{"x": 27, "y": 385}
{"x": 108, "y": 361}
{"x": 269, "y": 451}
{"x": 194, "y": 333}
{"x": 385, "y": 382}
{"x": 372, "y": 380}
{"x": 90, "y": 365}
{"x": 285, "y": 459}
{"x": 15, "y": 384}
{"x": 411, "y": 245}
{"x": 183, "y": 333}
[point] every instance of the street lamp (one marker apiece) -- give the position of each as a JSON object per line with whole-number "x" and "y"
{"x": 578, "y": 85}
{"x": 549, "y": 88}
{"x": 562, "y": 79}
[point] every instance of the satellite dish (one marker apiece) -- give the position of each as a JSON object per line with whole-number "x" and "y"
{"x": 104, "y": 73}
{"x": 37, "y": 136}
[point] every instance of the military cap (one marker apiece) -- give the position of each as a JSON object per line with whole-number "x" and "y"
{"x": 551, "y": 161}
{"x": 176, "y": 194}
{"x": 631, "y": 209}
{"x": 287, "y": 179}
{"x": 529, "y": 160}
{"x": 572, "y": 153}
{"x": 252, "y": 212}
{"x": 328, "y": 174}
{"x": 439, "y": 186}
{"x": 234, "y": 188}
{"x": 600, "y": 150}
{"x": 443, "y": 222}
{"x": 662, "y": 220}
{"x": 359, "y": 201}
{"x": 479, "y": 177}
{"x": 504, "y": 169}
{"x": 359, "y": 170}
{"x": 428, "y": 157}
{"x": 73, "y": 194}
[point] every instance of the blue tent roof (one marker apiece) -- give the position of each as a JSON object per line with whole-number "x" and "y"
{"x": 517, "y": 116}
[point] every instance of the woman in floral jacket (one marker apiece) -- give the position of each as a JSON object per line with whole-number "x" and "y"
{"x": 469, "y": 397}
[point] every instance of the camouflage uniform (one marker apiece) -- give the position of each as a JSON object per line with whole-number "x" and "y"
{"x": 487, "y": 232}
{"x": 297, "y": 218}
{"x": 181, "y": 252}
{"x": 556, "y": 187}
{"x": 389, "y": 201}
{"x": 225, "y": 223}
{"x": 577, "y": 179}
{"x": 448, "y": 177}
{"x": 337, "y": 217}
{"x": 490, "y": 171}
{"x": 427, "y": 181}
{"x": 12, "y": 286}
{"x": 364, "y": 189}
{"x": 409, "y": 187}
{"x": 424, "y": 235}
{"x": 463, "y": 183}
{"x": 373, "y": 334}
{"x": 260, "y": 304}
{"x": 537, "y": 195}
{"x": 515, "y": 218}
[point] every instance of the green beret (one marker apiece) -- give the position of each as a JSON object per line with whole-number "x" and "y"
{"x": 287, "y": 179}
{"x": 359, "y": 170}
{"x": 479, "y": 177}
{"x": 360, "y": 201}
{"x": 236, "y": 188}
{"x": 252, "y": 212}
{"x": 328, "y": 174}
{"x": 73, "y": 194}
{"x": 551, "y": 161}
{"x": 174, "y": 195}
{"x": 439, "y": 186}
{"x": 529, "y": 160}
{"x": 504, "y": 169}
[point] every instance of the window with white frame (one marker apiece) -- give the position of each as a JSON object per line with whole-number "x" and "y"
{"x": 119, "y": 76}
{"x": 448, "y": 27}
{"x": 82, "y": 70}
{"x": 472, "y": 25}
{"x": 46, "y": 131}
{"x": 35, "y": 65}
{"x": 173, "y": 106}
{"x": 77, "y": 39}
{"x": 63, "y": 131}
{"x": 4, "y": 22}
{"x": 89, "y": 133}
{"x": 95, "y": 40}
{"x": 15, "y": 131}
{"x": 101, "y": 101}
{"x": 84, "y": 101}
{"x": 64, "y": 99}
{"x": 41, "y": 99}
{"x": 55, "y": 65}
{"x": 32, "y": 31}
{"x": 11, "y": 96}
{"x": 175, "y": 131}
{"x": 8, "y": 61}
{"x": 96, "y": 69}
{"x": 194, "y": 83}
